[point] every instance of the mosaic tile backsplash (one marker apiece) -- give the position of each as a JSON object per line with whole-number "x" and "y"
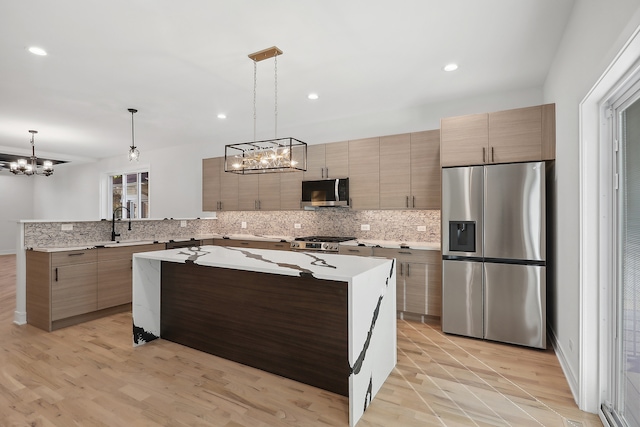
{"x": 384, "y": 225}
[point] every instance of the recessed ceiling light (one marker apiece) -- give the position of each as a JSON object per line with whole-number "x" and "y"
{"x": 37, "y": 50}
{"x": 222, "y": 116}
{"x": 451, "y": 67}
{"x": 312, "y": 96}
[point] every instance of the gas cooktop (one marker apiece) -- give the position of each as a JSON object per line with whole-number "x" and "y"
{"x": 319, "y": 243}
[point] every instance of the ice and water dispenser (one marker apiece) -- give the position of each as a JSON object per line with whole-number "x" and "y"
{"x": 462, "y": 236}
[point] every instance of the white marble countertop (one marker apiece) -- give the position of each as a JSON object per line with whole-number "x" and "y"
{"x": 268, "y": 238}
{"x": 392, "y": 244}
{"x": 320, "y": 265}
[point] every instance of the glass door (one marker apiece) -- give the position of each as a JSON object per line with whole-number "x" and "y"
{"x": 624, "y": 407}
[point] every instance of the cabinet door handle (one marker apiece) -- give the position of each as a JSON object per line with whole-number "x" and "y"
{"x": 322, "y": 173}
{"x": 483, "y": 155}
{"x": 413, "y": 202}
{"x": 407, "y": 203}
{"x": 492, "y": 159}
{"x": 255, "y": 205}
{"x": 259, "y": 205}
{"x": 408, "y": 271}
{"x": 56, "y": 274}
{"x": 327, "y": 169}
{"x": 400, "y": 264}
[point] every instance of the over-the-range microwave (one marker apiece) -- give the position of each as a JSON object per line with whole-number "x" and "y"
{"x": 325, "y": 193}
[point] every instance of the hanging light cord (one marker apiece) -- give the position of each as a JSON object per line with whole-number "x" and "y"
{"x": 255, "y": 85}
{"x": 275, "y": 60}
{"x": 133, "y": 142}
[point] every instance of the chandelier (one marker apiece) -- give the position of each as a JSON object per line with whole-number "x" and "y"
{"x": 271, "y": 155}
{"x": 134, "y": 153}
{"x": 30, "y": 167}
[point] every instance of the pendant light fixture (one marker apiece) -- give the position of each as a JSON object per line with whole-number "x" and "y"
{"x": 30, "y": 167}
{"x": 134, "y": 153}
{"x": 272, "y": 155}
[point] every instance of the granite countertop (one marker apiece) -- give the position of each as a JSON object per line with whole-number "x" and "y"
{"x": 257, "y": 237}
{"x": 116, "y": 244}
{"x": 320, "y": 265}
{"x": 394, "y": 244}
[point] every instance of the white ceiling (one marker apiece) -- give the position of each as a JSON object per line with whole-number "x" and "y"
{"x": 180, "y": 63}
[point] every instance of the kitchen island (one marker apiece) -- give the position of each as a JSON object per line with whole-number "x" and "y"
{"x": 322, "y": 319}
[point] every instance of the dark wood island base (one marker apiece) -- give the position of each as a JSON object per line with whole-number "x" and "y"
{"x": 293, "y": 326}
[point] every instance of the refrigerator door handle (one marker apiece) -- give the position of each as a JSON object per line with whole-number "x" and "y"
{"x": 492, "y": 158}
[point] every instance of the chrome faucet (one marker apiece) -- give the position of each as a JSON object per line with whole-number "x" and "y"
{"x": 113, "y": 222}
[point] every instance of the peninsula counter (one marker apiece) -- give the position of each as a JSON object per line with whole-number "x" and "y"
{"x": 323, "y": 319}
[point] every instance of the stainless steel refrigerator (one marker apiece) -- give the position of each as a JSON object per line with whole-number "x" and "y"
{"x": 493, "y": 252}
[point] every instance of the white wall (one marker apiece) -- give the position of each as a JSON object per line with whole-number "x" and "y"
{"x": 16, "y": 203}
{"x": 595, "y": 33}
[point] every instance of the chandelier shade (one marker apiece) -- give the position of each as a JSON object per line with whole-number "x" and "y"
{"x": 31, "y": 166}
{"x": 271, "y": 155}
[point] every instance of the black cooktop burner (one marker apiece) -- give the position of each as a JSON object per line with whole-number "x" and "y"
{"x": 330, "y": 239}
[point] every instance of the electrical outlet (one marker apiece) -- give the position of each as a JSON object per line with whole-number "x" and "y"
{"x": 365, "y": 227}
{"x": 297, "y": 226}
{"x": 183, "y": 223}
{"x": 67, "y": 227}
{"x": 422, "y": 228}
{"x": 243, "y": 224}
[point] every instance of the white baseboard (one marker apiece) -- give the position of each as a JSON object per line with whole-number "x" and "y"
{"x": 8, "y": 252}
{"x": 19, "y": 318}
{"x": 564, "y": 364}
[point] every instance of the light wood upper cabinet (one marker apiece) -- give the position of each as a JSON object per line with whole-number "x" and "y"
{"x": 518, "y": 135}
{"x": 248, "y": 192}
{"x": 325, "y": 161}
{"x": 364, "y": 173}
{"x": 290, "y": 190}
{"x": 211, "y": 184}
{"x": 425, "y": 170}
{"x": 410, "y": 171}
{"x": 219, "y": 188}
{"x": 464, "y": 140}
{"x": 269, "y": 191}
{"x": 336, "y": 160}
{"x": 259, "y": 192}
{"x": 395, "y": 171}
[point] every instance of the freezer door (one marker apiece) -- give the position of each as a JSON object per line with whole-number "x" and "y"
{"x": 515, "y": 304}
{"x": 462, "y": 192}
{"x": 462, "y": 298}
{"x": 514, "y": 211}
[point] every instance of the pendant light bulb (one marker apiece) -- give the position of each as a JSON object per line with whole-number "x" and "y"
{"x": 134, "y": 153}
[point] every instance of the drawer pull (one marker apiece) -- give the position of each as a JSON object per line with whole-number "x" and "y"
{"x": 76, "y": 254}
{"x": 353, "y": 250}
{"x": 279, "y": 246}
{"x": 244, "y": 243}
{"x": 405, "y": 252}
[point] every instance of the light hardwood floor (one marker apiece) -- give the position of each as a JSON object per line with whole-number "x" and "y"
{"x": 90, "y": 375}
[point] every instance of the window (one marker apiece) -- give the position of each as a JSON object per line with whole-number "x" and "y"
{"x": 129, "y": 191}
